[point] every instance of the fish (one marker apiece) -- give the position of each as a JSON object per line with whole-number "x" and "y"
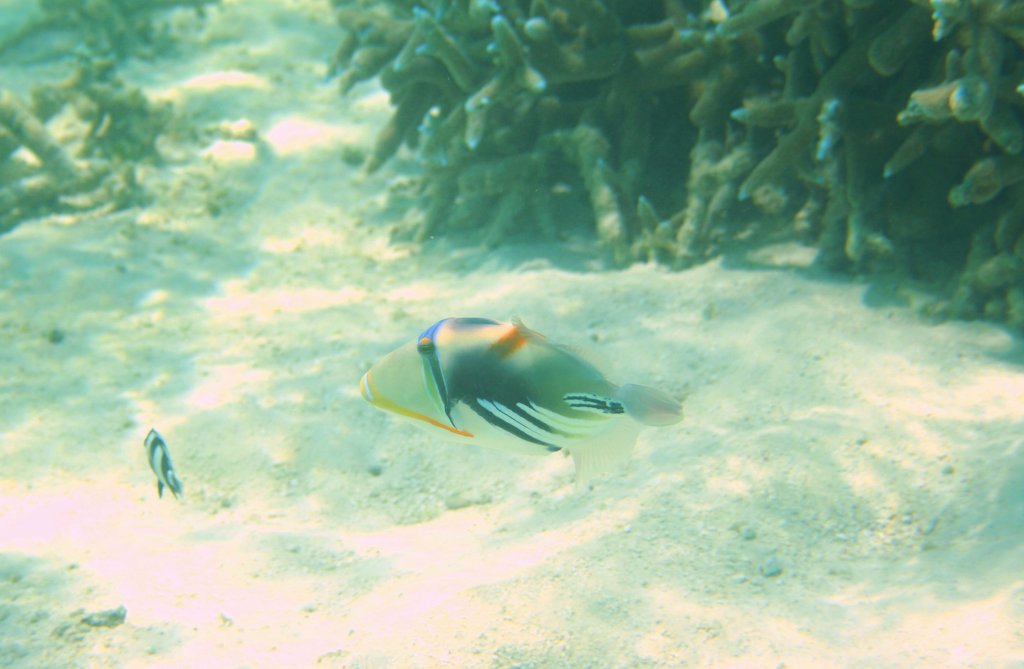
{"x": 160, "y": 462}
{"x": 505, "y": 386}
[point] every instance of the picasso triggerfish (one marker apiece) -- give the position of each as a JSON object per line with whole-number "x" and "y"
{"x": 506, "y": 386}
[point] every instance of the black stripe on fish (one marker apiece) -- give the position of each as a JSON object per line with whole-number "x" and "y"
{"x": 427, "y": 348}
{"x": 160, "y": 462}
{"x": 589, "y": 402}
{"x": 498, "y": 415}
{"x": 534, "y": 417}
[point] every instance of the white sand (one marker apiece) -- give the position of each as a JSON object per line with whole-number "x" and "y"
{"x": 876, "y": 459}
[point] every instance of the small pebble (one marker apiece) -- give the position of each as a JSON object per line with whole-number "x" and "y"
{"x": 458, "y": 501}
{"x": 771, "y": 567}
{"x": 353, "y": 155}
{"x": 748, "y": 534}
{"x": 108, "y": 618}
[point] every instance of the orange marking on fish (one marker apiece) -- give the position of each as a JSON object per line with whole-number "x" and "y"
{"x": 510, "y": 342}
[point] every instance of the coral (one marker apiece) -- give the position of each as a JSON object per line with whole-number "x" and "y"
{"x": 577, "y": 93}
{"x": 80, "y": 139}
{"x": 115, "y": 27}
{"x": 113, "y": 127}
{"x": 953, "y": 67}
{"x": 122, "y": 125}
{"x": 26, "y": 130}
{"x": 886, "y": 132}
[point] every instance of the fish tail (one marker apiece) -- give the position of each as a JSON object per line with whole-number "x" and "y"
{"x": 649, "y": 406}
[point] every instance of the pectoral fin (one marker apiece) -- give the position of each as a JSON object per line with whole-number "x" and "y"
{"x": 605, "y": 452}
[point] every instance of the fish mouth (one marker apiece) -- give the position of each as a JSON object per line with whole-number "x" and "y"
{"x": 366, "y": 390}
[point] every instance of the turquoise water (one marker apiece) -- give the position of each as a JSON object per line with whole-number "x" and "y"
{"x": 846, "y": 488}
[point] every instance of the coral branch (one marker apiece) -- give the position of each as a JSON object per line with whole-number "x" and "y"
{"x": 871, "y": 128}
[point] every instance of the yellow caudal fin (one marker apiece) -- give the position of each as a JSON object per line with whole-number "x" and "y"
{"x": 649, "y": 406}
{"x": 606, "y": 452}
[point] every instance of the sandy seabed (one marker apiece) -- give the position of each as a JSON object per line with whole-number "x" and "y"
{"x": 846, "y": 490}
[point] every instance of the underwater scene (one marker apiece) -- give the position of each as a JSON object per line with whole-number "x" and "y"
{"x": 529, "y": 334}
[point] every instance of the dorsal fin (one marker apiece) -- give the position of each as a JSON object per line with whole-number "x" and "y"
{"x": 525, "y": 330}
{"x": 518, "y": 335}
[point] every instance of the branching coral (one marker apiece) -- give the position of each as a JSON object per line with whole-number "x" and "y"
{"x": 115, "y": 127}
{"x": 122, "y": 125}
{"x": 587, "y": 93}
{"x": 24, "y": 190}
{"x": 881, "y": 130}
{"x": 106, "y": 26}
{"x": 954, "y": 68}
{"x": 80, "y": 139}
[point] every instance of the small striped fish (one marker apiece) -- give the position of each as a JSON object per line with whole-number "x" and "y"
{"x": 160, "y": 462}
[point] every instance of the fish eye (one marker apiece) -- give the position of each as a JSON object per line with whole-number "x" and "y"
{"x": 425, "y": 345}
